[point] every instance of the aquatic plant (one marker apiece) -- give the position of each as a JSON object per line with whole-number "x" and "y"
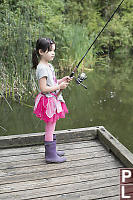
{"x": 72, "y": 24}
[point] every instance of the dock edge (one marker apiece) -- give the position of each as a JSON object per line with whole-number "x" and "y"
{"x": 63, "y": 136}
{"x": 113, "y": 145}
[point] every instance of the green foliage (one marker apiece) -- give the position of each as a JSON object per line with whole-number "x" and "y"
{"x": 22, "y": 24}
{"x": 77, "y": 42}
{"x": 72, "y": 24}
{"x": 115, "y": 36}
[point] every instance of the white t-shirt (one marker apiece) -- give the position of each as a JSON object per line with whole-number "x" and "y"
{"x": 48, "y": 71}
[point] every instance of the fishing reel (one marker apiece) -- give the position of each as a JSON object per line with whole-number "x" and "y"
{"x": 80, "y": 79}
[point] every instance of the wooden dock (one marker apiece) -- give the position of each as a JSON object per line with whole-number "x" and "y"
{"x": 94, "y": 158}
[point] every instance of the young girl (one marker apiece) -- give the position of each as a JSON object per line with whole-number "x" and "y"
{"x": 49, "y": 103}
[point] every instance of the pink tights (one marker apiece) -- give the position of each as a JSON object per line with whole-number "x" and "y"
{"x": 49, "y": 130}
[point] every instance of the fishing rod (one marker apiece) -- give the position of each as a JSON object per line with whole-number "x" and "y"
{"x": 82, "y": 76}
{"x": 75, "y": 69}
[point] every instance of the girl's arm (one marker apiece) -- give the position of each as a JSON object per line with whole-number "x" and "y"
{"x": 59, "y": 81}
{"x": 65, "y": 78}
{"x": 45, "y": 88}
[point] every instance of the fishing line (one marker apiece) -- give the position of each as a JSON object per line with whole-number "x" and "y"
{"x": 82, "y": 77}
{"x": 75, "y": 69}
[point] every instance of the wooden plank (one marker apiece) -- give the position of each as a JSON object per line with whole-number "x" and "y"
{"x": 61, "y": 189}
{"x": 69, "y": 158}
{"x": 90, "y": 194}
{"x": 66, "y": 179}
{"x": 90, "y": 172}
{"x": 30, "y": 169}
{"x": 72, "y": 163}
{"x": 40, "y": 154}
{"x": 41, "y": 169}
{"x": 117, "y": 197}
{"x": 69, "y": 153}
{"x": 63, "y": 136}
{"x": 39, "y": 174}
{"x": 40, "y": 148}
{"x": 112, "y": 144}
{"x": 77, "y": 196}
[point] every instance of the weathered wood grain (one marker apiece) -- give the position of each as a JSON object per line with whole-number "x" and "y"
{"x": 112, "y": 144}
{"x": 37, "y": 173}
{"x": 56, "y": 190}
{"x": 40, "y": 148}
{"x": 29, "y": 176}
{"x": 63, "y": 136}
{"x": 81, "y": 176}
{"x": 33, "y": 155}
{"x": 42, "y": 168}
{"x": 37, "y": 162}
{"x": 100, "y": 193}
{"x": 90, "y": 173}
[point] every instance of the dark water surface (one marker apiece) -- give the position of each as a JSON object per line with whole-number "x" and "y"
{"x": 108, "y": 101}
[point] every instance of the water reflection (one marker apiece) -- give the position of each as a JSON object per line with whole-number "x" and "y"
{"x": 107, "y": 102}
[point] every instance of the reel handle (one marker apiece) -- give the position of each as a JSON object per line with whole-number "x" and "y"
{"x": 80, "y": 83}
{"x": 84, "y": 85}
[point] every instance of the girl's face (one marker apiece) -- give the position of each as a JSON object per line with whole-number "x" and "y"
{"x": 48, "y": 55}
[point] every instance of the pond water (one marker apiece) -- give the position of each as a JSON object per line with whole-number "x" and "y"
{"x": 108, "y": 102}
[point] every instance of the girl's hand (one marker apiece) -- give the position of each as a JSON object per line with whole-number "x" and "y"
{"x": 67, "y": 78}
{"x": 63, "y": 85}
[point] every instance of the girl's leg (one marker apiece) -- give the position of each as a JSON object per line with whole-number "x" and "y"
{"x": 49, "y": 130}
{"x": 50, "y": 145}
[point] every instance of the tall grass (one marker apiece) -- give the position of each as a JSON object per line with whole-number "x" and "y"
{"x": 77, "y": 43}
{"x": 24, "y": 22}
{"x": 18, "y": 80}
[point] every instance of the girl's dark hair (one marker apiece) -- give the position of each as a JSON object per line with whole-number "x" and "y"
{"x": 44, "y": 44}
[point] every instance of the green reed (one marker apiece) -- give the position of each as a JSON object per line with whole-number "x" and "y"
{"x": 21, "y": 28}
{"x": 77, "y": 43}
{"x": 18, "y": 80}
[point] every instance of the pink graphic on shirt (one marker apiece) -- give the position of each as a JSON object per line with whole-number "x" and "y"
{"x": 54, "y": 78}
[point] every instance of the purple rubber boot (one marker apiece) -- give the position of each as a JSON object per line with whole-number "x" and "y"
{"x": 50, "y": 153}
{"x": 59, "y": 153}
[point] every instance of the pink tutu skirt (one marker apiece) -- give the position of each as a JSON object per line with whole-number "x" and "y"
{"x": 49, "y": 109}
